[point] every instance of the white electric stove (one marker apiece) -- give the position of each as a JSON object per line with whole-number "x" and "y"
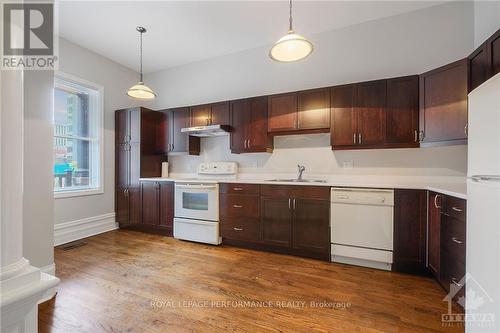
{"x": 197, "y": 203}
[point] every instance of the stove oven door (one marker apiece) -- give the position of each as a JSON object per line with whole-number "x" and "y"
{"x": 197, "y": 201}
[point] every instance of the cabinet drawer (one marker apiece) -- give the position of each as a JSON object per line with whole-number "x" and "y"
{"x": 240, "y": 229}
{"x": 235, "y": 205}
{"x": 239, "y": 188}
{"x": 453, "y": 238}
{"x": 454, "y": 207}
{"x": 296, "y": 191}
{"x": 452, "y": 272}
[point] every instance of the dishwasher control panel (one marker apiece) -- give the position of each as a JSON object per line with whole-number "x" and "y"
{"x": 366, "y": 196}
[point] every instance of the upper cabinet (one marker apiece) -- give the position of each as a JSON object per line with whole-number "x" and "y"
{"x": 402, "y": 112}
{"x": 484, "y": 62}
{"x": 443, "y": 105}
{"x": 210, "y": 114}
{"x": 175, "y": 140}
{"x": 248, "y": 118}
{"x": 375, "y": 114}
{"x": 303, "y": 111}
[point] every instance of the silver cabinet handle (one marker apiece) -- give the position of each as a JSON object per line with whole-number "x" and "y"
{"x": 435, "y": 201}
{"x": 466, "y": 130}
{"x": 493, "y": 178}
{"x": 289, "y": 203}
{"x": 456, "y": 240}
{"x": 416, "y": 136}
{"x": 456, "y": 283}
{"x": 421, "y": 136}
{"x": 354, "y": 138}
{"x": 456, "y": 209}
{"x": 359, "y": 138}
{"x": 237, "y": 189}
{"x": 237, "y": 229}
{"x": 248, "y": 144}
{"x": 294, "y": 204}
{"x": 172, "y": 147}
{"x": 237, "y": 206}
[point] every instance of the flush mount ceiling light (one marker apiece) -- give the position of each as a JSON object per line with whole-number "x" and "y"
{"x": 140, "y": 90}
{"x": 291, "y": 47}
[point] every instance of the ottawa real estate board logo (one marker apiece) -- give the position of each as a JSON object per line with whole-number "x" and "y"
{"x": 28, "y": 36}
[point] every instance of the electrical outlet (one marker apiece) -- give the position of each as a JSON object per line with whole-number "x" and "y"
{"x": 348, "y": 165}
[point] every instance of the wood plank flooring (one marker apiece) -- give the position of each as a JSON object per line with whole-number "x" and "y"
{"x": 127, "y": 281}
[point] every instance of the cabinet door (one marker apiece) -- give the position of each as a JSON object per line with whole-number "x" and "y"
{"x": 200, "y": 115}
{"x": 122, "y": 207}
{"x": 276, "y": 221}
{"x": 134, "y": 199}
{"x": 122, "y": 129}
{"x": 343, "y": 127}
{"x": 239, "y": 120}
{"x": 410, "y": 207}
{"x": 479, "y": 70}
{"x": 311, "y": 227}
{"x": 402, "y": 111}
{"x": 178, "y": 140}
{"x": 434, "y": 229}
{"x": 122, "y": 165}
{"x": 149, "y": 203}
{"x": 443, "y": 104}
{"x": 313, "y": 109}
{"x": 219, "y": 114}
{"x": 370, "y": 105}
{"x": 166, "y": 202}
{"x": 258, "y": 140}
{"x": 135, "y": 125}
{"x": 282, "y": 113}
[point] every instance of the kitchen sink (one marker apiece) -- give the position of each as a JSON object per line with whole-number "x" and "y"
{"x": 295, "y": 180}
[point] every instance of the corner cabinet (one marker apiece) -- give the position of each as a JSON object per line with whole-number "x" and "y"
{"x": 443, "y": 105}
{"x": 248, "y": 118}
{"x": 484, "y": 62}
{"x": 174, "y": 139}
{"x": 410, "y": 231}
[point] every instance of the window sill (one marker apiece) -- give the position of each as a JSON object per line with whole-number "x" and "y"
{"x": 77, "y": 193}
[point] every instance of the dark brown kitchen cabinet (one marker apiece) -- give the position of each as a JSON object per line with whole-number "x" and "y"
{"x": 157, "y": 205}
{"x": 370, "y": 105}
{"x": 484, "y": 62}
{"x": 296, "y": 219}
{"x": 249, "y": 126}
{"x": 343, "y": 133}
{"x": 434, "y": 233}
{"x": 410, "y": 209}
{"x": 401, "y": 114}
{"x": 443, "y": 105}
{"x": 175, "y": 140}
{"x": 139, "y": 151}
{"x": 304, "y": 111}
{"x": 210, "y": 114}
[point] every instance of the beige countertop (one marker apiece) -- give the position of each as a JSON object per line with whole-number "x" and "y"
{"x": 453, "y": 186}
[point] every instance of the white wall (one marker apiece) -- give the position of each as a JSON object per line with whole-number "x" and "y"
{"x": 486, "y": 20}
{"x": 38, "y": 200}
{"x": 116, "y": 79}
{"x": 406, "y": 44}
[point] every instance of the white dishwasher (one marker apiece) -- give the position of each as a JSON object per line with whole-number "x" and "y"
{"x": 362, "y": 227}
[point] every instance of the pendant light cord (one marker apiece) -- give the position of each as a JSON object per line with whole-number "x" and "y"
{"x": 140, "y": 56}
{"x": 290, "y": 18}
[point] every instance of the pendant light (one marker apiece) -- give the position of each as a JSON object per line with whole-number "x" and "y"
{"x": 140, "y": 90}
{"x": 291, "y": 47}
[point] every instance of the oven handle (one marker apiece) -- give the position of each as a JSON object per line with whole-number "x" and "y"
{"x": 196, "y": 187}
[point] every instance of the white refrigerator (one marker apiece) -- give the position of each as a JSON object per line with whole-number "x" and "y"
{"x": 483, "y": 209}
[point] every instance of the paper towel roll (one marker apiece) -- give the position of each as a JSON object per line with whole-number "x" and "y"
{"x": 164, "y": 169}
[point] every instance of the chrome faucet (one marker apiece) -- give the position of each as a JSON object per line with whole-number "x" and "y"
{"x": 301, "y": 171}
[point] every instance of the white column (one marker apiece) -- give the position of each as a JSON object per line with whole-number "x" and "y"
{"x": 21, "y": 285}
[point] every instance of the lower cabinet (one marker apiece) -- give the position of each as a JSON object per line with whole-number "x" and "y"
{"x": 410, "y": 207}
{"x": 279, "y": 218}
{"x": 434, "y": 233}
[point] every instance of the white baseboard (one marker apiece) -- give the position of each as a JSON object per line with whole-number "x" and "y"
{"x": 70, "y": 231}
{"x": 49, "y": 294}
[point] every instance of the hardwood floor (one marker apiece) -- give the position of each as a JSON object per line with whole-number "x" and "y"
{"x": 127, "y": 281}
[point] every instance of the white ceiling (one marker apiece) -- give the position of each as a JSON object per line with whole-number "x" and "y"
{"x": 181, "y": 32}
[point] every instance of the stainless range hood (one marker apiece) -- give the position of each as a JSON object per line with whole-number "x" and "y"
{"x": 207, "y": 131}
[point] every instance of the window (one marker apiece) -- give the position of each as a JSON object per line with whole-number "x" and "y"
{"x": 78, "y": 160}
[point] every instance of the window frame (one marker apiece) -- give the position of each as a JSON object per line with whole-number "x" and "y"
{"x": 66, "y": 80}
